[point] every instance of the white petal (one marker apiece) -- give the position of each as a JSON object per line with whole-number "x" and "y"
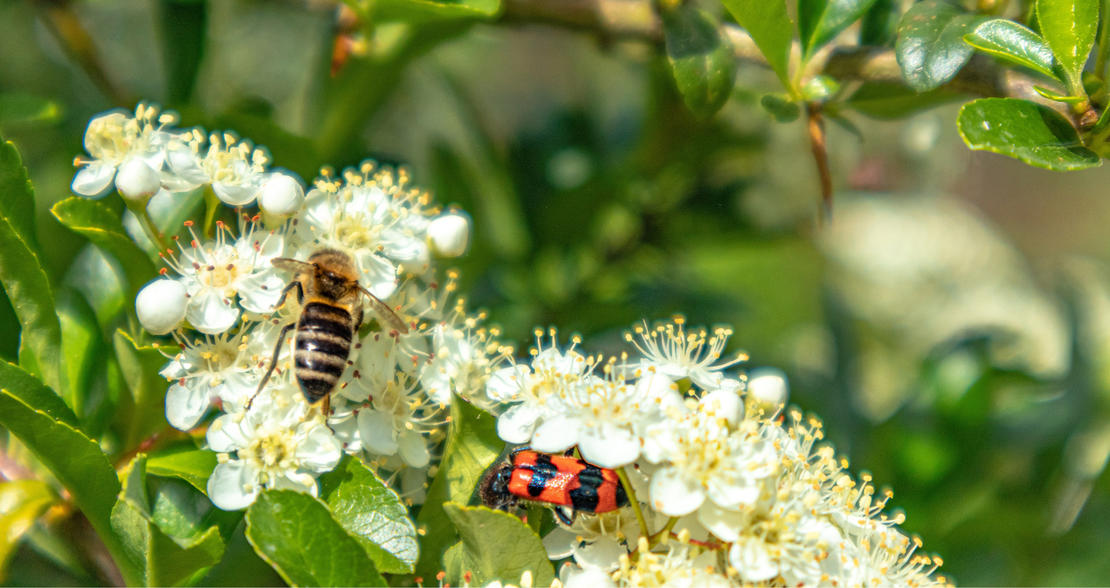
{"x": 674, "y": 495}
{"x": 296, "y": 481}
{"x": 186, "y": 404}
{"x": 238, "y": 194}
{"x": 506, "y": 383}
{"x": 232, "y": 486}
{"x": 556, "y": 434}
{"x": 93, "y": 179}
{"x": 376, "y": 430}
{"x": 187, "y": 168}
{"x": 413, "y": 449}
{"x": 586, "y": 578}
{"x": 723, "y": 403}
{"x": 733, "y": 491}
{"x": 559, "y": 543}
{"x": 753, "y": 558}
{"x": 724, "y": 524}
{"x": 604, "y": 554}
{"x": 260, "y": 291}
{"x": 608, "y": 445}
{"x": 210, "y": 313}
{"x": 225, "y": 435}
{"x": 160, "y": 305}
{"x": 319, "y": 451}
{"x": 517, "y": 424}
{"x": 378, "y": 275}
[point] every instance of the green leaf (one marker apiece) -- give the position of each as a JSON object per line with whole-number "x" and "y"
{"x": 34, "y": 393}
{"x": 74, "y": 459}
{"x": 472, "y": 445}
{"x": 930, "y": 46}
{"x": 183, "y": 32}
{"x": 82, "y": 347}
{"x": 770, "y": 27}
{"x": 96, "y": 222}
{"x": 495, "y": 546}
{"x": 1069, "y": 28}
{"x": 423, "y": 10}
{"x": 880, "y": 24}
{"x": 1010, "y": 41}
{"x": 887, "y": 101}
{"x": 21, "y": 503}
{"x": 821, "y": 20}
{"x": 163, "y": 560}
{"x": 17, "y": 195}
{"x": 1057, "y": 96}
{"x": 780, "y": 107}
{"x": 701, "y": 59}
{"x": 297, "y": 536}
{"x": 1024, "y": 130}
{"x": 17, "y": 108}
{"x": 143, "y": 411}
{"x": 185, "y": 462}
{"x": 373, "y": 513}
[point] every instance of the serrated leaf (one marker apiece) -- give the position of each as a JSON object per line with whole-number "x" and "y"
{"x": 930, "y": 48}
{"x": 143, "y": 411}
{"x": 187, "y": 463}
{"x": 373, "y": 513}
{"x": 297, "y": 536}
{"x": 701, "y": 59}
{"x": 1024, "y": 130}
{"x": 821, "y": 20}
{"x": 96, "y": 222}
{"x": 1010, "y": 41}
{"x": 1069, "y": 28}
{"x": 17, "y": 108}
{"x": 424, "y": 10}
{"x": 21, "y": 503}
{"x": 17, "y": 195}
{"x": 770, "y": 27}
{"x": 495, "y": 546}
{"x": 32, "y": 391}
{"x": 74, "y": 459}
{"x": 472, "y": 445}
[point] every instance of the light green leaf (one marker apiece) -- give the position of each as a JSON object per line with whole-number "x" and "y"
{"x": 82, "y": 346}
{"x": 472, "y": 445}
{"x": 17, "y": 108}
{"x": 1069, "y": 28}
{"x": 187, "y": 463}
{"x": 32, "y": 391}
{"x": 143, "y": 411}
{"x": 1024, "y": 130}
{"x": 21, "y": 503}
{"x": 821, "y": 20}
{"x": 930, "y": 46}
{"x": 495, "y": 546}
{"x": 17, "y": 195}
{"x": 770, "y": 27}
{"x": 74, "y": 459}
{"x": 1057, "y": 96}
{"x": 424, "y": 10}
{"x": 1010, "y": 41}
{"x": 701, "y": 59}
{"x": 297, "y": 536}
{"x": 97, "y": 223}
{"x": 780, "y": 107}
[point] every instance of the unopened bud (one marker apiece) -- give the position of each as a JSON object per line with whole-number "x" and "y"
{"x": 767, "y": 387}
{"x": 450, "y": 234}
{"x": 281, "y": 195}
{"x": 161, "y": 306}
{"x": 136, "y": 180}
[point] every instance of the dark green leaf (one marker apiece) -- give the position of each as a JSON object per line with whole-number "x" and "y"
{"x": 1008, "y": 40}
{"x": 422, "y": 10}
{"x": 892, "y": 101}
{"x": 495, "y": 546}
{"x": 23, "y": 501}
{"x": 187, "y": 463}
{"x": 17, "y": 108}
{"x": 780, "y": 107}
{"x": 82, "y": 347}
{"x": 97, "y": 223}
{"x": 930, "y": 47}
{"x": 143, "y": 410}
{"x": 32, "y": 391}
{"x": 770, "y": 27}
{"x": 821, "y": 20}
{"x": 472, "y": 445}
{"x": 1069, "y": 28}
{"x": 299, "y": 538}
{"x": 1024, "y": 130}
{"x": 374, "y": 514}
{"x": 701, "y": 59}
{"x": 183, "y": 33}
{"x": 880, "y": 23}
{"x": 17, "y": 196}
{"x": 74, "y": 459}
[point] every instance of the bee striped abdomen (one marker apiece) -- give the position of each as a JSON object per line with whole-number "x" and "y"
{"x": 323, "y": 343}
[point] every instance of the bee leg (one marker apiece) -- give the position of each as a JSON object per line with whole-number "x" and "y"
{"x": 285, "y": 293}
{"x": 325, "y": 411}
{"x": 273, "y": 361}
{"x": 566, "y": 519}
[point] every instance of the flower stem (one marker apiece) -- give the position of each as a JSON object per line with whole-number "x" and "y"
{"x": 664, "y": 532}
{"x": 211, "y": 207}
{"x": 633, "y": 501}
{"x": 148, "y": 227}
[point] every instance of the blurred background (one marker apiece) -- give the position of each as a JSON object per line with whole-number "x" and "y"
{"x": 950, "y": 324}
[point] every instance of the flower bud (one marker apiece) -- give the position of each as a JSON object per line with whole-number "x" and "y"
{"x": 136, "y": 180}
{"x": 161, "y": 306}
{"x": 450, "y": 234}
{"x": 768, "y": 389}
{"x": 281, "y": 195}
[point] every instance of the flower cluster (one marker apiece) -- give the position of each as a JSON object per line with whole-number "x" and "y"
{"x": 222, "y": 299}
{"x": 726, "y": 489}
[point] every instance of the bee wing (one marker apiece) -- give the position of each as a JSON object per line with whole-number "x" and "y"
{"x": 293, "y": 265}
{"x": 385, "y": 312}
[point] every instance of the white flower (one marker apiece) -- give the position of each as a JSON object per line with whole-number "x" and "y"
{"x": 399, "y": 421}
{"x": 767, "y": 389}
{"x": 227, "y": 270}
{"x": 136, "y": 180}
{"x": 459, "y": 364}
{"x": 276, "y": 445}
{"x": 282, "y": 194}
{"x": 676, "y": 353}
{"x": 450, "y": 234}
{"x": 235, "y": 169}
{"x": 116, "y": 139}
{"x": 160, "y": 306}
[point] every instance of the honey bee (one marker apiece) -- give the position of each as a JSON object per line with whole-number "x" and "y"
{"x": 331, "y": 314}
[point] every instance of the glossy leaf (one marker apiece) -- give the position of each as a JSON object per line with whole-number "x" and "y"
{"x": 821, "y": 20}
{"x": 701, "y": 59}
{"x": 1069, "y": 28}
{"x": 17, "y": 196}
{"x": 82, "y": 346}
{"x": 74, "y": 459}
{"x": 930, "y": 46}
{"x": 32, "y": 391}
{"x": 770, "y": 27}
{"x": 97, "y": 223}
{"x": 186, "y": 463}
{"x": 1010, "y": 41}
{"x": 21, "y": 503}
{"x": 495, "y": 546}
{"x": 373, "y": 513}
{"x": 1024, "y": 130}
{"x": 472, "y": 445}
{"x": 298, "y": 537}
{"x": 143, "y": 410}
